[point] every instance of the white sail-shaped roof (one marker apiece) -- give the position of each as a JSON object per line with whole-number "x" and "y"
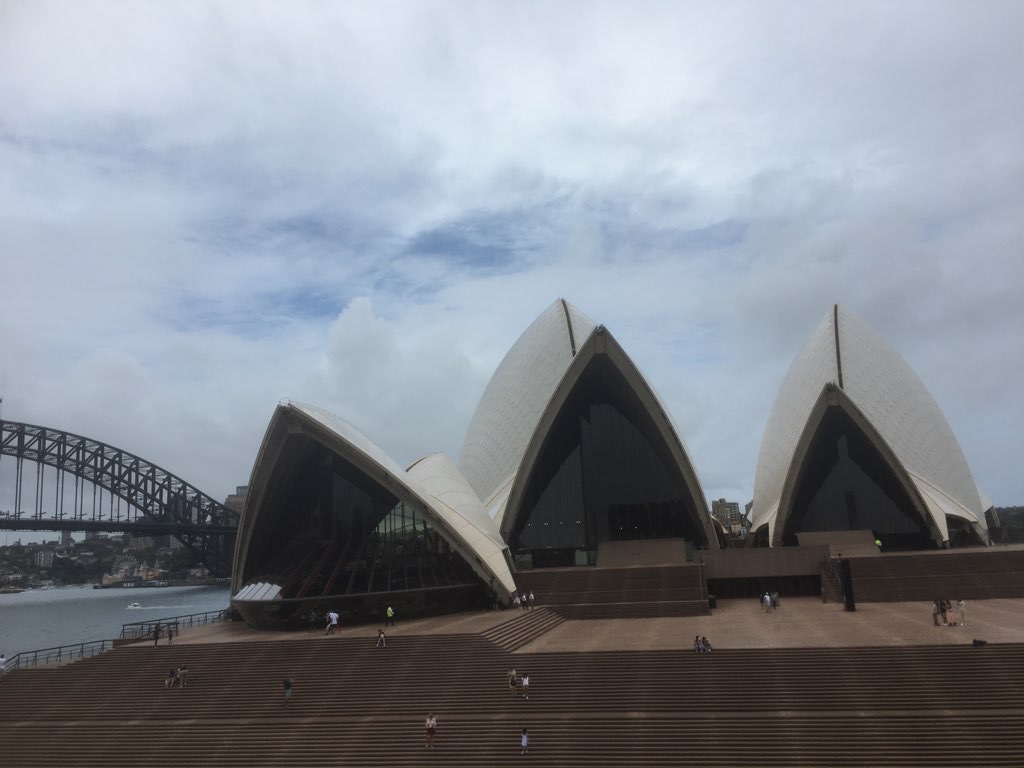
{"x": 433, "y": 484}
{"x": 517, "y": 394}
{"x": 523, "y": 398}
{"x": 845, "y": 352}
{"x": 450, "y": 496}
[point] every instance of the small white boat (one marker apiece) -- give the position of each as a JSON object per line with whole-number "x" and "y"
{"x": 134, "y": 605}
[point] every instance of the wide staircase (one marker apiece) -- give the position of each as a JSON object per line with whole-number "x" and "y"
{"x": 976, "y": 575}
{"x": 357, "y": 705}
{"x": 618, "y": 593}
{"x": 524, "y": 628}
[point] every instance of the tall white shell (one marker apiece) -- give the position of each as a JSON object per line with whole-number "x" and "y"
{"x": 517, "y": 394}
{"x": 898, "y": 405}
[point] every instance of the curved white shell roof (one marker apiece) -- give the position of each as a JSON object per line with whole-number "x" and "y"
{"x": 881, "y": 384}
{"x": 450, "y": 496}
{"x": 434, "y": 482}
{"x": 517, "y": 394}
{"x": 350, "y": 434}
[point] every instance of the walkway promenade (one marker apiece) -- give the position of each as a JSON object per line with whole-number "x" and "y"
{"x": 735, "y": 624}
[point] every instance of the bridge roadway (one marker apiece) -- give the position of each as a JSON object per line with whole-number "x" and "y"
{"x": 139, "y": 527}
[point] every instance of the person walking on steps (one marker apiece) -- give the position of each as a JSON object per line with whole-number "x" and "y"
{"x": 524, "y": 742}
{"x": 332, "y": 622}
{"x": 288, "y": 684}
{"x": 431, "y": 730}
{"x": 390, "y": 614}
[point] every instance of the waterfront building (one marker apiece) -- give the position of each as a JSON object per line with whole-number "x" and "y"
{"x": 570, "y": 450}
{"x": 568, "y": 447}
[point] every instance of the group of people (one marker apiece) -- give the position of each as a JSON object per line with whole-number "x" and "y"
{"x": 517, "y": 682}
{"x": 942, "y": 613}
{"x": 770, "y": 601}
{"x": 158, "y": 630}
{"x": 524, "y": 601}
{"x": 177, "y": 676}
{"x": 701, "y": 644}
{"x": 333, "y": 620}
{"x": 431, "y": 728}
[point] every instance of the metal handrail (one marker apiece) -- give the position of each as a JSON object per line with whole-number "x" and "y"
{"x": 138, "y": 629}
{"x": 62, "y": 654}
{"x": 59, "y": 654}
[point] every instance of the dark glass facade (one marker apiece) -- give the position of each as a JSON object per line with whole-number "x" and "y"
{"x": 604, "y": 473}
{"x": 338, "y": 532}
{"x": 846, "y": 484}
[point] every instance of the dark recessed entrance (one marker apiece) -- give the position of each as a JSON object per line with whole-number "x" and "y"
{"x": 604, "y": 473}
{"x": 846, "y": 484}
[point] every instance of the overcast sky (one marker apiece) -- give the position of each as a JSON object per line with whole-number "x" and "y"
{"x": 207, "y": 207}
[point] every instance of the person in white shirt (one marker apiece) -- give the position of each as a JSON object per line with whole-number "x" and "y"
{"x": 431, "y": 730}
{"x": 332, "y": 622}
{"x": 526, "y": 685}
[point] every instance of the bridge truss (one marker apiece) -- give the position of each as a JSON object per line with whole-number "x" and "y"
{"x": 80, "y": 484}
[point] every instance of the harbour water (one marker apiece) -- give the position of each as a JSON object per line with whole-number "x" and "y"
{"x": 44, "y": 618}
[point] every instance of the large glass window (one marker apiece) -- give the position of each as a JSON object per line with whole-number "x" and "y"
{"x": 340, "y": 533}
{"x": 603, "y": 473}
{"x": 846, "y": 484}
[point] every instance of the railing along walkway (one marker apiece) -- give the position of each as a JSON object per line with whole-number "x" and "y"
{"x": 60, "y": 654}
{"x": 64, "y": 654}
{"x": 137, "y": 630}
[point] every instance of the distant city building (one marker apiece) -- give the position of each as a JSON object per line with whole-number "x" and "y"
{"x": 236, "y": 500}
{"x": 140, "y": 542}
{"x": 44, "y": 558}
{"x": 65, "y": 538}
{"x": 1008, "y": 524}
{"x": 726, "y": 512}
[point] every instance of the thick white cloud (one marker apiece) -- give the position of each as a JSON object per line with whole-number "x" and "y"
{"x": 208, "y": 206}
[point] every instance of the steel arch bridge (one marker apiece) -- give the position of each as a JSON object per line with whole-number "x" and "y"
{"x": 128, "y": 494}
